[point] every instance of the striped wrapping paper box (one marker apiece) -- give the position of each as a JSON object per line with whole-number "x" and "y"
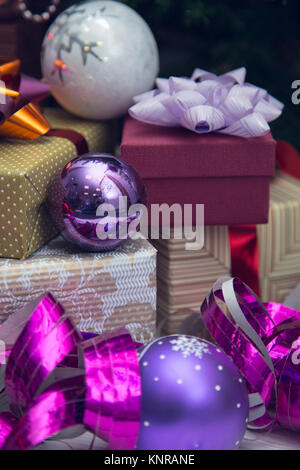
{"x": 185, "y": 277}
{"x": 101, "y": 291}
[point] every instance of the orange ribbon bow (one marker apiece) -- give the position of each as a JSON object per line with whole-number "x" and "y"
{"x": 20, "y": 117}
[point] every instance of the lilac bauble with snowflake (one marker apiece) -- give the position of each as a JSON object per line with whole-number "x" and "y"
{"x": 193, "y": 397}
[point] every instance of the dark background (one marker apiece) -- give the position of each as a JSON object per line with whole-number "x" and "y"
{"x": 218, "y": 35}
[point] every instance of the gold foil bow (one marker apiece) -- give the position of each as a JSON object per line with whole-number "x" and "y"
{"x": 20, "y": 117}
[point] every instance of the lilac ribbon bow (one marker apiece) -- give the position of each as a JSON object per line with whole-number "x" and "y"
{"x": 55, "y": 379}
{"x": 263, "y": 341}
{"x": 209, "y": 103}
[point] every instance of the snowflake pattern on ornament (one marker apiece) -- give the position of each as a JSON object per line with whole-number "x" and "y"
{"x": 190, "y": 346}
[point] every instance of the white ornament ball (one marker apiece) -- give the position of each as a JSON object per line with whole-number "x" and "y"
{"x": 97, "y": 56}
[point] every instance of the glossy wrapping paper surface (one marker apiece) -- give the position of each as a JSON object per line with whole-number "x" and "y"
{"x": 97, "y": 381}
{"x": 263, "y": 341}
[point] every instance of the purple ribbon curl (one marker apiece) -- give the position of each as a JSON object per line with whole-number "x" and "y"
{"x": 263, "y": 341}
{"x": 209, "y": 103}
{"x": 56, "y": 377}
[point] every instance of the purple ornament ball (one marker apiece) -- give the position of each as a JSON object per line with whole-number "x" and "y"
{"x": 193, "y": 397}
{"x": 82, "y": 187}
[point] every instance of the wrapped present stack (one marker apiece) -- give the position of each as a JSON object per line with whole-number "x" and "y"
{"x": 101, "y": 291}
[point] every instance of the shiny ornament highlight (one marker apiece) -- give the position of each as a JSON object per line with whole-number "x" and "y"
{"x": 78, "y": 193}
{"x": 193, "y": 397}
{"x": 96, "y": 56}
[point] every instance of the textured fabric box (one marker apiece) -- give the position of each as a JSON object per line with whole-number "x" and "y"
{"x": 26, "y": 170}
{"x": 101, "y": 291}
{"x": 230, "y": 175}
{"x": 185, "y": 278}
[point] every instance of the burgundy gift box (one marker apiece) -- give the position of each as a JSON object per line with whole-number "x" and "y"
{"x": 230, "y": 175}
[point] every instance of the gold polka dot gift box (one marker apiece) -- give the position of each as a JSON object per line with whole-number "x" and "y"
{"x": 26, "y": 171}
{"x": 102, "y": 291}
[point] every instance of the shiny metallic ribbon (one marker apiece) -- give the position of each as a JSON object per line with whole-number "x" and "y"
{"x": 263, "y": 341}
{"x": 209, "y": 103}
{"x": 56, "y": 378}
{"x": 20, "y": 117}
{"x": 244, "y": 253}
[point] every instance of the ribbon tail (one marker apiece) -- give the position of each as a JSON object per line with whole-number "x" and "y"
{"x": 244, "y": 255}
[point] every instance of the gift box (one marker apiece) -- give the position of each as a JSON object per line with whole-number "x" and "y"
{"x": 26, "y": 171}
{"x": 279, "y": 241}
{"x": 230, "y": 175}
{"x": 101, "y": 291}
{"x": 184, "y": 276}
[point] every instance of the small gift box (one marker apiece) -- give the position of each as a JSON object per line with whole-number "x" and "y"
{"x": 26, "y": 171}
{"x": 230, "y": 175}
{"x": 101, "y": 291}
{"x": 183, "y": 276}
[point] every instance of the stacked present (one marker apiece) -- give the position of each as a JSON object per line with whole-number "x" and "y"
{"x": 231, "y": 176}
{"x": 102, "y": 291}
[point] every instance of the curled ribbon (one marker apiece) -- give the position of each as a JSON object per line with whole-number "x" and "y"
{"x": 209, "y": 103}
{"x": 19, "y": 115}
{"x": 263, "y": 341}
{"x": 56, "y": 378}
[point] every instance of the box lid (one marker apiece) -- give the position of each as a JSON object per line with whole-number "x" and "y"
{"x": 168, "y": 152}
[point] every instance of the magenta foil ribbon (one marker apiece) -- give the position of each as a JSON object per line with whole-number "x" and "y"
{"x": 209, "y": 103}
{"x": 55, "y": 378}
{"x": 263, "y": 341}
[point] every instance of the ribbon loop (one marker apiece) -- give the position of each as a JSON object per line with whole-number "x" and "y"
{"x": 262, "y": 340}
{"x": 19, "y": 117}
{"x": 52, "y": 384}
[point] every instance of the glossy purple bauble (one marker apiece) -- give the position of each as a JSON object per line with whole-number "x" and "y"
{"x": 193, "y": 397}
{"x": 83, "y": 186}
